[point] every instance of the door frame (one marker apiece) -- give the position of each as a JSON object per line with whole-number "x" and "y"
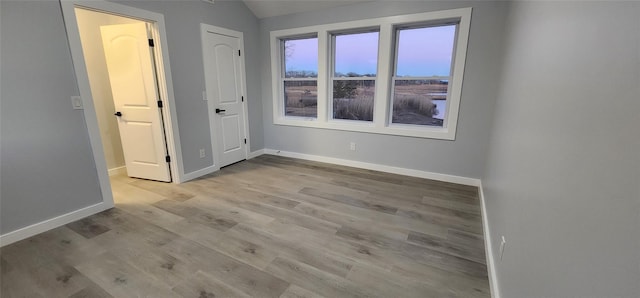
{"x": 204, "y": 30}
{"x": 165, "y": 84}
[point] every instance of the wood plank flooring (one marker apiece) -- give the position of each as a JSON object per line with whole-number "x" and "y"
{"x": 266, "y": 227}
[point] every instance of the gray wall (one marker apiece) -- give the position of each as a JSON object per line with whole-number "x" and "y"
{"x": 183, "y": 20}
{"x": 89, "y": 23}
{"x": 47, "y": 167}
{"x": 463, "y": 157}
{"x": 563, "y": 170}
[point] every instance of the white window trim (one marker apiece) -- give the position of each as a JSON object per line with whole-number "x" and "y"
{"x": 386, "y": 60}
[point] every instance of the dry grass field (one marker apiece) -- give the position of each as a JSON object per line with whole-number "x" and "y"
{"x": 359, "y": 107}
{"x": 301, "y": 101}
{"x": 412, "y": 104}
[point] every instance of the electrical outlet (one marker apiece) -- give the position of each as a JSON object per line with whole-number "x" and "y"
{"x": 352, "y": 146}
{"x": 502, "y": 244}
{"x": 202, "y": 153}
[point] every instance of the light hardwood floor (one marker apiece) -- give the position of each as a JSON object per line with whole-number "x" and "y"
{"x": 267, "y": 227}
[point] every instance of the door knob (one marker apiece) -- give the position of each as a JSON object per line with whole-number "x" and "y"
{"x": 118, "y": 114}
{"x": 218, "y": 111}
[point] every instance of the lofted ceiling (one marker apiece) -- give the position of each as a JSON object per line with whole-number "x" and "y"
{"x": 272, "y": 8}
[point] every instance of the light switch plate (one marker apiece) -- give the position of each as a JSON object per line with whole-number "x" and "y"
{"x": 76, "y": 102}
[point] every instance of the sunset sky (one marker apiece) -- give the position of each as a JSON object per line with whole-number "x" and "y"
{"x": 422, "y": 52}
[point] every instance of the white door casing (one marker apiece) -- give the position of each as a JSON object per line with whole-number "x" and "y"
{"x": 224, "y": 82}
{"x": 133, "y": 82}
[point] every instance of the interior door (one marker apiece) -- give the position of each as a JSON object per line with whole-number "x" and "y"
{"x": 135, "y": 95}
{"x": 223, "y": 76}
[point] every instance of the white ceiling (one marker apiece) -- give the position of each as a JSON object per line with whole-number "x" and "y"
{"x": 272, "y": 8}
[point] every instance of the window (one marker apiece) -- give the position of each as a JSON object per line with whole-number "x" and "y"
{"x": 300, "y": 81}
{"x": 422, "y": 75}
{"x": 399, "y": 75}
{"x": 355, "y": 64}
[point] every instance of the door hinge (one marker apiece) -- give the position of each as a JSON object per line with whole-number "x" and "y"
{"x": 239, "y": 53}
{"x": 160, "y": 104}
{"x": 242, "y": 98}
{"x": 167, "y": 158}
{"x": 245, "y": 140}
{"x": 151, "y": 44}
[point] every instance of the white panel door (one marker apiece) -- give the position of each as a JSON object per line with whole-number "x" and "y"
{"x": 134, "y": 89}
{"x": 223, "y": 75}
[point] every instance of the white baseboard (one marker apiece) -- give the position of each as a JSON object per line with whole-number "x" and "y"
{"x": 208, "y": 170}
{"x": 377, "y": 167}
{"x": 52, "y": 223}
{"x": 199, "y": 173}
{"x": 118, "y": 171}
{"x": 255, "y": 154}
{"x": 488, "y": 248}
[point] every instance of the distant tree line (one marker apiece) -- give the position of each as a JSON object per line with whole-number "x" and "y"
{"x": 301, "y": 74}
{"x": 354, "y": 75}
{"x": 401, "y": 82}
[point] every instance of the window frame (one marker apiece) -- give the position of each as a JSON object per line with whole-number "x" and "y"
{"x": 284, "y": 79}
{"x": 387, "y": 43}
{"x": 394, "y": 70}
{"x": 333, "y": 78}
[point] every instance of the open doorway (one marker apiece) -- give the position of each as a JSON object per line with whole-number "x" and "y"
{"x": 110, "y": 21}
{"x": 120, "y": 60}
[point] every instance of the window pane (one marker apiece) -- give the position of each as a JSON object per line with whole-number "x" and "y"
{"x": 301, "y": 98}
{"x": 356, "y": 55}
{"x": 420, "y": 102}
{"x": 425, "y": 52}
{"x": 301, "y": 58}
{"x": 353, "y": 99}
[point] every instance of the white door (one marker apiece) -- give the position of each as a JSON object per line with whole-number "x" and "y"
{"x": 135, "y": 95}
{"x": 223, "y": 76}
